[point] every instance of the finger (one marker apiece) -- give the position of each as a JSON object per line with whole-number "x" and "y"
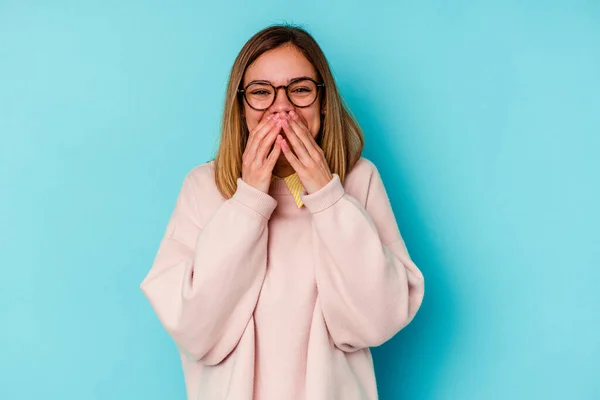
{"x": 274, "y": 155}
{"x": 266, "y": 118}
{"x": 294, "y": 141}
{"x": 305, "y": 137}
{"x": 267, "y": 141}
{"x": 292, "y": 159}
{"x": 264, "y": 121}
{"x": 257, "y": 135}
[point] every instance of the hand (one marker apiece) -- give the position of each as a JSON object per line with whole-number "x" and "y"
{"x": 257, "y": 167}
{"x": 309, "y": 161}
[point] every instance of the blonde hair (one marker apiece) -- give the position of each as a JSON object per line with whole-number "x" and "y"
{"x": 340, "y": 136}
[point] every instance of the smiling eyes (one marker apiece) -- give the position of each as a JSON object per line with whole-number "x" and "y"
{"x": 269, "y": 91}
{"x": 302, "y": 93}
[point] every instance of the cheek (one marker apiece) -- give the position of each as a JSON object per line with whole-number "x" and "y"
{"x": 311, "y": 119}
{"x": 252, "y": 117}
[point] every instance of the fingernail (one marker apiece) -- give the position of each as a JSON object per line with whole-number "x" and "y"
{"x": 269, "y": 117}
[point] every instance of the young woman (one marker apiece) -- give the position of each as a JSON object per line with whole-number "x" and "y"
{"x": 282, "y": 262}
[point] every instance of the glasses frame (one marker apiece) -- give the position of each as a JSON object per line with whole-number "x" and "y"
{"x": 320, "y": 86}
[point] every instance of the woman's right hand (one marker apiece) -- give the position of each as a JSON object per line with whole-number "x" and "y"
{"x": 257, "y": 161}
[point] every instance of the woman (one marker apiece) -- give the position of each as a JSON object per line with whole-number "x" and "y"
{"x": 282, "y": 262}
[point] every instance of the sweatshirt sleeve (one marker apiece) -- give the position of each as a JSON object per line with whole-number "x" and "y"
{"x": 368, "y": 285}
{"x": 205, "y": 280}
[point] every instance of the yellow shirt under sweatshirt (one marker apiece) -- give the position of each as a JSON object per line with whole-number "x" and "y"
{"x": 294, "y": 184}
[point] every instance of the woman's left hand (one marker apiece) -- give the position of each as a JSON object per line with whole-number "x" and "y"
{"x": 309, "y": 161}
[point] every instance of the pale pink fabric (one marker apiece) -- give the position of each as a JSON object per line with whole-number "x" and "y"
{"x": 268, "y": 301}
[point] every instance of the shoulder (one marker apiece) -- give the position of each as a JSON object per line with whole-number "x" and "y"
{"x": 363, "y": 167}
{"x": 360, "y": 178}
{"x": 202, "y": 176}
{"x": 361, "y": 173}
{"x": 199, "y": 186}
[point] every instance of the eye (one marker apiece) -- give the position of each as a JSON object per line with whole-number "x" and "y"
{"x": 301, "y": 90}
{"x": 260, "y": 92}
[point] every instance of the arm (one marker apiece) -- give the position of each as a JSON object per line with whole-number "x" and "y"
{"x": 205, "y": 281}
{"x": 368, "y": 285}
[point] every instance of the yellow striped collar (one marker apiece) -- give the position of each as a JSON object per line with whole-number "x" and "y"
{"x": 294, "y": 184}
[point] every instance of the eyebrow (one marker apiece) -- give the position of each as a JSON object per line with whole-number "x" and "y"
{"x": 288, "y": 81}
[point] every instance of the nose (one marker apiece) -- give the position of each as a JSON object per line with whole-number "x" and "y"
{"x": 282, "y": 103}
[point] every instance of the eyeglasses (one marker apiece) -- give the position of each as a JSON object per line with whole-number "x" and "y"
{"x": 301, "y": 92}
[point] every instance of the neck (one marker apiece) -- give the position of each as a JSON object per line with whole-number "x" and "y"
{"x": 283, "y": 171}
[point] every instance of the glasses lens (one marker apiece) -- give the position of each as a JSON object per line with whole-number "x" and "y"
{"x": 259, "y": 95}
{"x": 303, "y": 92}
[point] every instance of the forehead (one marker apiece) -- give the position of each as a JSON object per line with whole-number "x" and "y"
{"x": 279, "y": 66}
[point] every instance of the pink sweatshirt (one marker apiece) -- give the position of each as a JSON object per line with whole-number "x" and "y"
{"x": 266, "y": 300}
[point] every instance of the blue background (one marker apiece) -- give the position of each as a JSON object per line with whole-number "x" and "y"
{"x": 482, "y": 117}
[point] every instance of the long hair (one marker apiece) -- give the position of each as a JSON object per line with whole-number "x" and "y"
{"x": 340, "y": 136}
